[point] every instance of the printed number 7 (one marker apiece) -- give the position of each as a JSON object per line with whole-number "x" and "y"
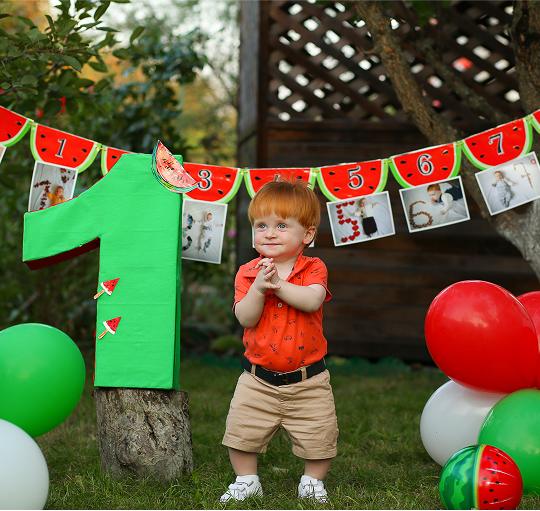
{"x": 499, "y": 138}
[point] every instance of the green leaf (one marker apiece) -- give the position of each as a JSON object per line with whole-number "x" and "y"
{"x": 136, "y": 33}
{"x": 83, "y": 83}
{"x": 100, "y": 11}
{"x": 5, "y": 85}
{"x": 122, "y": 53}
{"x": 4, "y": 15}
{"x": 107, "y": 29}
{"x": 52, "y": 107}
{"x": 26, "y": 21}
{"x": 98, "y": 66}
{"x": 28, "y": 80}
{"x": 71, "y": 61}
{"x": 104, "y": 82}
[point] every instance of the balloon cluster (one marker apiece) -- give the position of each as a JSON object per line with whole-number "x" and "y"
{"x": 42, "y": 377}
{"x": 486, "y": 341}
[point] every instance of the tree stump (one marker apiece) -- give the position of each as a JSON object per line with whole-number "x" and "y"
{"x": 144, "y": 431}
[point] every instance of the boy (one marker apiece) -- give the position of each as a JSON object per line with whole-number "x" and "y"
{"x": 278, "y": 300}
{"x": 437, "y": 196}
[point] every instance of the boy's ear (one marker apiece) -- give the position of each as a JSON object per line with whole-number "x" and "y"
{"x": 310, "y": 235}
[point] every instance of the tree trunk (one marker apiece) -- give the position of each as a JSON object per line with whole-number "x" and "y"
{"x": 144, "y": 431}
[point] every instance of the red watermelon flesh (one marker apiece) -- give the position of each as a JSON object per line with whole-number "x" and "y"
{"x": 216, "y": 184}
{"x": 165, "y": 161}
{"x": 13, "y": 126}
{"x": 499, "y": 145}
{"x": 110, "y": 157}
{"x": 112, "y": 324}
{"x": 352, "y": 180}
{"x": 499, "y": 482}
{"x": 62, "y": 149}
{"x": 256, "y": 178}
{"x": 109, "y": 285}
{"x": 427, "y": 165}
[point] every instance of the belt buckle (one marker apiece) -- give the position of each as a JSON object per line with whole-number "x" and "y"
{"x": 277, "y": 376}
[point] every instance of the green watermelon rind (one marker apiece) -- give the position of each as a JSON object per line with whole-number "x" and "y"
{"x": 330, "y": 196}
{"x": 534, "y": 120}
{"x": 20, "y": 134}
{"x": 311, "y": 180}
{"x": 464, "y": 460}
{"x": 525, "y": 149}
{"x": 405, "y": 184}
{"x": 79, "y": 168}
{"x": 232, "y": 192}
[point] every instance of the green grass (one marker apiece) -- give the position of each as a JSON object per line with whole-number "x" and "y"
{"x": 381, "y": 462}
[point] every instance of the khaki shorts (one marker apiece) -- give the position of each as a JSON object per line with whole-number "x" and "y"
{"x": 305, "y": 410}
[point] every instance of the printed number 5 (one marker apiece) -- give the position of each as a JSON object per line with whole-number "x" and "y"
{"x": 355, "y": 179}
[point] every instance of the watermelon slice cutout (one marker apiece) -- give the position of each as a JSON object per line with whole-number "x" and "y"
{"x": 62, "y": 149}
{"x": 110, "y": 326}
{"x": 13, "y": 127}
{"x": 255, "y": 178}
{"x": 107, "y": 287}
{"x": 109, "y": 157}
{"x": 499, "y": 145}
{"x": 427, "y": 165}
{"x": 216, "y": 184}
{"x": 347, "y": 180}
{"x": 165, "y": 164}
{"x": 535, "y": 120}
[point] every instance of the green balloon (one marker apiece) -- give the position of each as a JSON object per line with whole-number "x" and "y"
{"x": 42, "y": 377}
{"x": 513, "y": 425}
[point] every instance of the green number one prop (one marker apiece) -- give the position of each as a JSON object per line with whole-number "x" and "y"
{"x": 136, "y": 222}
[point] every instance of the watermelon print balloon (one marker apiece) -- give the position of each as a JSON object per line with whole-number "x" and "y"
{"x": 480, "y": 477}
{"x": 481, "y": 336}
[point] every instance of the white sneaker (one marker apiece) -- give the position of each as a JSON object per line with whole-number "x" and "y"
{"x": 243, "y": 487}
{"x": 311, "y": 488}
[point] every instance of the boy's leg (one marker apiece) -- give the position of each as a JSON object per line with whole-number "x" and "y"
{"x": 243, "y": 463}
{"x": 311, "y": 485}
{"x": 317, "y": 468}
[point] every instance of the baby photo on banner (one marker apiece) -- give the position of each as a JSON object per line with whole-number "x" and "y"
{"x": 434, "y": 205}
{"x": 51, "y": 185}
{"x": 203, "y": 227}
{"x": 2, "y": 151}
{"x": 361, "y": 218}
{"x": 511, "y": 184}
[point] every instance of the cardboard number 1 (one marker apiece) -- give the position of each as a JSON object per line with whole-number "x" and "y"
{"x": 136, "y": 224}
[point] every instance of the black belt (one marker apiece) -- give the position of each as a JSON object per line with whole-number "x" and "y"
{"x": 279, "y": 379}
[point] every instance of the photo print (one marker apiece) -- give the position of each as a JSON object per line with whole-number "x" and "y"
{"x": 203, "y": 227}
{"x": 2, "y": 151}
{"x": 511, "y": 184}
{"x": 51, "y": 185}
{"x": 361, "y": 218}
{"x": 434, "y": 205}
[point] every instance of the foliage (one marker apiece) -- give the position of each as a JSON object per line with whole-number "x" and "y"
{"x": 121, "y": 96}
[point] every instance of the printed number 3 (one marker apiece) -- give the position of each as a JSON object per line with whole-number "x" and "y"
{"x": 206, "y": 177}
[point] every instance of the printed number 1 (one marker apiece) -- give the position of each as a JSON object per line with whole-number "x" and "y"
{"x": 61, "y": 148}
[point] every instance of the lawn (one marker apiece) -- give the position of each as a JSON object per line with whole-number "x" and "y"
{"x": 381, "y": 462}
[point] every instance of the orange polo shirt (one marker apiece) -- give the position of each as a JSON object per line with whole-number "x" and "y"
{"x": 285, "y": 338}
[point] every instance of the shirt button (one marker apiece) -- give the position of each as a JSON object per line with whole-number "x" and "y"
{"x": 280, "y": 305}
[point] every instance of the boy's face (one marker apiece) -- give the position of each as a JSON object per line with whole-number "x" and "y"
{"x": 498, "y": 175}
{"x": 281, "y": 238}
{"x": 434, "y": 194}
{"x": 59, "y": 191}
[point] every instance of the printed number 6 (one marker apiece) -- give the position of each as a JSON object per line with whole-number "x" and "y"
{"x": 425, "y": 166}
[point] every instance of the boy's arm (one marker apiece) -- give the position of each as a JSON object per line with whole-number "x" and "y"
{"x": 447, "y": 201}
{"x": 305, "y": 298}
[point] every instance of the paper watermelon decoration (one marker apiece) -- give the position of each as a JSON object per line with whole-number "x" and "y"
{"x": 255, "y": 178}
{"x": 110, "y": 326}
{"x": 107, "y": 287}
{"x": 499, "y": 145}
{"x": 12, "y": 127}
{"x": 169, "y": 171}
{"x": 480, "y": 477}
{"x": 62, "y": 149}
{"x": 109, "y": 157}
{"x": 216, "y": 184}
{"x": 347, "y": 180}
{"x": 535, "y": 120}
{"x": 427, "y": 165}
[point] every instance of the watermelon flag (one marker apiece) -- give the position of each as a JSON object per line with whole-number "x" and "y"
{"x": 216, "y": 184}
{"x": 255, "y": 178}
{"x": 426, "y": 165}
{"x": 12, "y": 127}
{"x": 62, "y": 149}
{"x": 535, "y": 120}
{"x": 347, "y": 180}
{"x": 109, "y": 157}
{"x": 500, "y": 144}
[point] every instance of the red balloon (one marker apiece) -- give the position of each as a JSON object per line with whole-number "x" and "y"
{"x": 482, "y": 337}
{"x": 531, "y": 302}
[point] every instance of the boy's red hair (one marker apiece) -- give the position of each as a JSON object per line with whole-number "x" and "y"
{"x": 287, "y": 199}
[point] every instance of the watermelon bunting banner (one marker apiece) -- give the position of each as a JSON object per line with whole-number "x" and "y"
{"x": 337, "y": 182}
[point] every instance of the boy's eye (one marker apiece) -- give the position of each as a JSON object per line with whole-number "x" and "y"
{"x": 282, "y": 226}
{"x": 260, "y": 226}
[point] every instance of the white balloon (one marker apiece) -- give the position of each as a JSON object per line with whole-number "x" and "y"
{"x": 24, "y": 475}
{"x": 452, "y": 419}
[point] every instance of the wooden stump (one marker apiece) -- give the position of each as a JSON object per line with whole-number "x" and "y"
{"x": 144, "y": 431}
